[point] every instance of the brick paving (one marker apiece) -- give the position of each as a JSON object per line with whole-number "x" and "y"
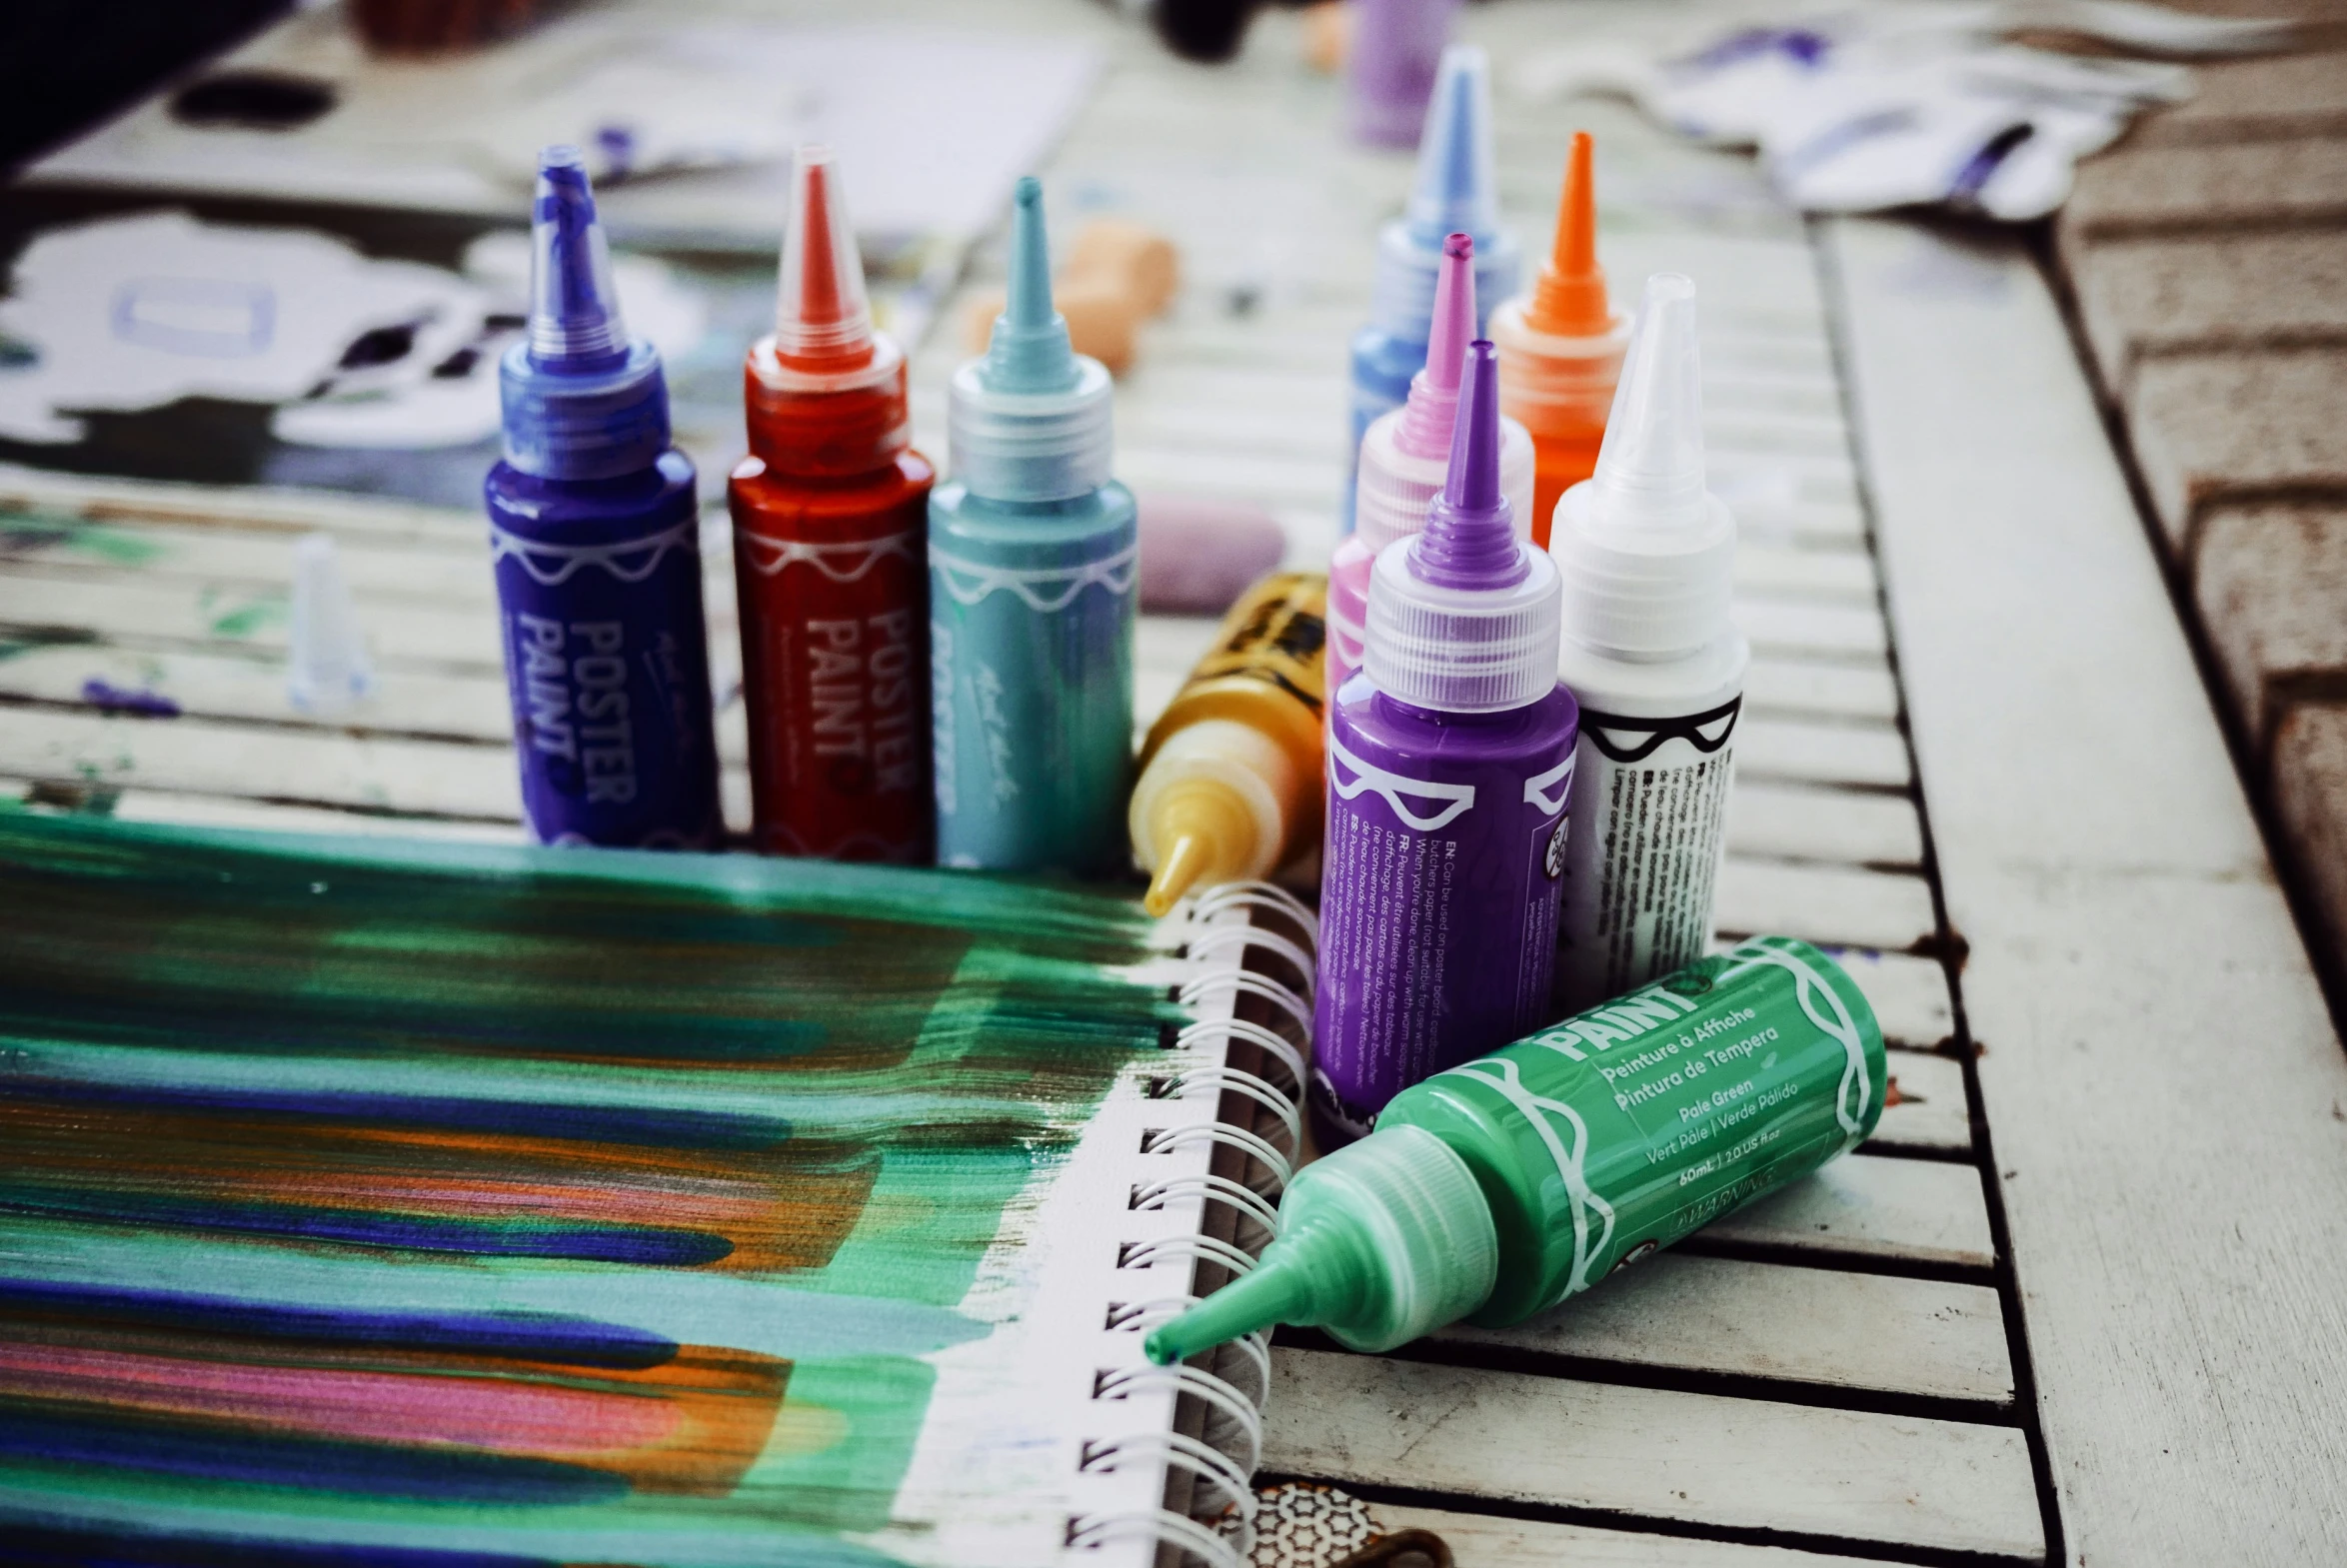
{"x": 2207, "y": 256}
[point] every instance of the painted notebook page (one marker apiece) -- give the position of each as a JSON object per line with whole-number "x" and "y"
{"x": 514, "y": 1207}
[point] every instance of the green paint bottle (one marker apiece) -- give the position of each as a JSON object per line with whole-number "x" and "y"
{"x": 1495, "y": 1190}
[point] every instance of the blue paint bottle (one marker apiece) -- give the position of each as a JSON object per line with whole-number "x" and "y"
{"x": 1456, "y": 191}
{"x": 1033, "y": 555}
{"x": 593, "y": 536}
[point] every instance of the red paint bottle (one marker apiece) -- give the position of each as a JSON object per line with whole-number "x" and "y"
{"x": 830, "y": 561}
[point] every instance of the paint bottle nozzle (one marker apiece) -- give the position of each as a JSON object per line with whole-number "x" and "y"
{"x": 573, "y": 310}
{"x": 1217, "y": 802}
{"x": 1455, "y": 189}
{"x": 1434, "y": 391}
{"x": 1454, "y": 192}
{"x": 582, "y": 399}
{"x": 1650, "y": 469}
{"x": 1381, "y": 1241}
{"x": 1029, "y": 419}
{"x": 1464, "y": 617}
{"x": 823, "y": 320}
{"x": 1648, "y": 551}
{"x": 1569, "y": 300}
{"x": 327, "y": 669}
{"x": 1029, "y": 350}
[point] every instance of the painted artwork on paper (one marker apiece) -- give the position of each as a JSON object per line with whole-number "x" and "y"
{"x": 370, "y": 1201}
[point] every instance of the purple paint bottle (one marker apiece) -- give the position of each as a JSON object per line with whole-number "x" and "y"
{"x": 1450, "y": 771}
{"x": 594, "y": 532}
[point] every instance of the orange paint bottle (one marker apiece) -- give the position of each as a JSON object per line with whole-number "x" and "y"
{"x": 830, "y": 559}
{"x": 1560, "y": 349}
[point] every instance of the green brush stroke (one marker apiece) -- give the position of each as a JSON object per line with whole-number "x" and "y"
{"x": 30, "y": 530}
{"x": 955, "y": 1028}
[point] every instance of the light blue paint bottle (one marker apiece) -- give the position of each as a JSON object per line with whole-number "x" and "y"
{"x": 1456, "y": 191}
{"x": 1033, "y": 556}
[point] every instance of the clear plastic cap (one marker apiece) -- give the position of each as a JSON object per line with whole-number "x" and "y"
{"x": 1030, "y": 419}
{"x": 823, "y": 319}
{"x": 1463, "y": 617}
{"x": 1456, "y": 191}
{"x": 327, "y": 669}
{"x": 1380, "y": 1242}
{"x": 1646, "y": 552}
{"x": 582, "y": 400}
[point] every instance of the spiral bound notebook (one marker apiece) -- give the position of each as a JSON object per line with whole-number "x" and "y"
{"x": 391, "y": 1202}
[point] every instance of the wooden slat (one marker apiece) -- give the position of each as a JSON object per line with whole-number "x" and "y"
{"x": 305, "y": 766}
{"x": 471, "y": 707}
{"x": 148, "y": 612}
{"x": 1697, "y": 1458}
{"x": 199, "y": 810}
{"x": 1873, "y": 1332}
{"x": 1916, "y": 1211}
{"x": 1797, "y": 687}
{"x": 1932, "y": 1113}
{"x": 1829, "y": 904}
{"x": 1792, "y": 822}
{"x": 2154, "y": 1048}
{"x": 1490, "y": 1541}
{"x": 1821, "y": 752}
{"x": 1854, "y": 632}
{"x": 1773, "y": 570}
{"x": 1909, "y": 994}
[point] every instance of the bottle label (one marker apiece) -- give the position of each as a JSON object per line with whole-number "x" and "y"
{"x": 1642, "y": 866}
{"x": 1438, "y": 919}
{"x": 1651, "y": 1115}
{"x": 1032, "y": 708}
{"x": 606, "y": 664}
{"x": 836, "y": 679}
{"x": 1276, "y": 634}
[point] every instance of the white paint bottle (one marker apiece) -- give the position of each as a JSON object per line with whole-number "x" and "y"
{"x": 1646, "y": 554}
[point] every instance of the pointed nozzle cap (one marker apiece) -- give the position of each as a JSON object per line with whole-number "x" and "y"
{"x": 574, "y": 311}
{"x": 1569, "y": 300}
{"x": 1029, "y": 350}
{"x": 1381, "y": 1241}
{"x": 327, "y": 667}
{"x": 1469, "y": 540}
{"x": 1455, "y": 189}
{"x": 1462, "y": 619}
{"x": 1651, "y": 467}
{"x": 823, "y": 319}
{"x": 1434, "y": 391}
{"x": 1030, "y": 419}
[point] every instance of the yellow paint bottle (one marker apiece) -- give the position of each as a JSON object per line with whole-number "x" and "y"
{"x": 1231, "y": 775}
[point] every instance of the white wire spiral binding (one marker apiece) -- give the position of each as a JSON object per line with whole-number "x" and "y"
{"x": 1268, "y": 1040}
{"x": 1233, "y": 1409}
{"x": 1206, "y": 1386}
{"x": 1268, "y": 896}
{"x": 1261, "y": 1090}
{"x": 1249, "y": 984}
{"x": 1246, "y": 936}
{"x": 1254, "y": 1147}
{"x": 1162, "y": 1525}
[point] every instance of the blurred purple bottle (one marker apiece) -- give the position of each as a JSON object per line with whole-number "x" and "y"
{"x": 1450, "y": 759}
{"x": 1396, "y": 47}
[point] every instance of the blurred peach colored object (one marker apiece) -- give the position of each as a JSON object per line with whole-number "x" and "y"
{"x": 1117, "y": 275}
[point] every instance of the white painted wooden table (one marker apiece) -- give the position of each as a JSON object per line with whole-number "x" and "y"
{"x": 2081, "y": 1295}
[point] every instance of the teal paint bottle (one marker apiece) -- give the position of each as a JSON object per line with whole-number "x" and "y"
{"x": 1032, "y": 558}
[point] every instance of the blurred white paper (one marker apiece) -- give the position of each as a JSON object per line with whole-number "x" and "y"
{"x": 698, "y": 104}
{"x": 134, "y": 313}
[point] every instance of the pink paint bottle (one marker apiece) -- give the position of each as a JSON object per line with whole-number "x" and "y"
{"x": 1405, "y": 454}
